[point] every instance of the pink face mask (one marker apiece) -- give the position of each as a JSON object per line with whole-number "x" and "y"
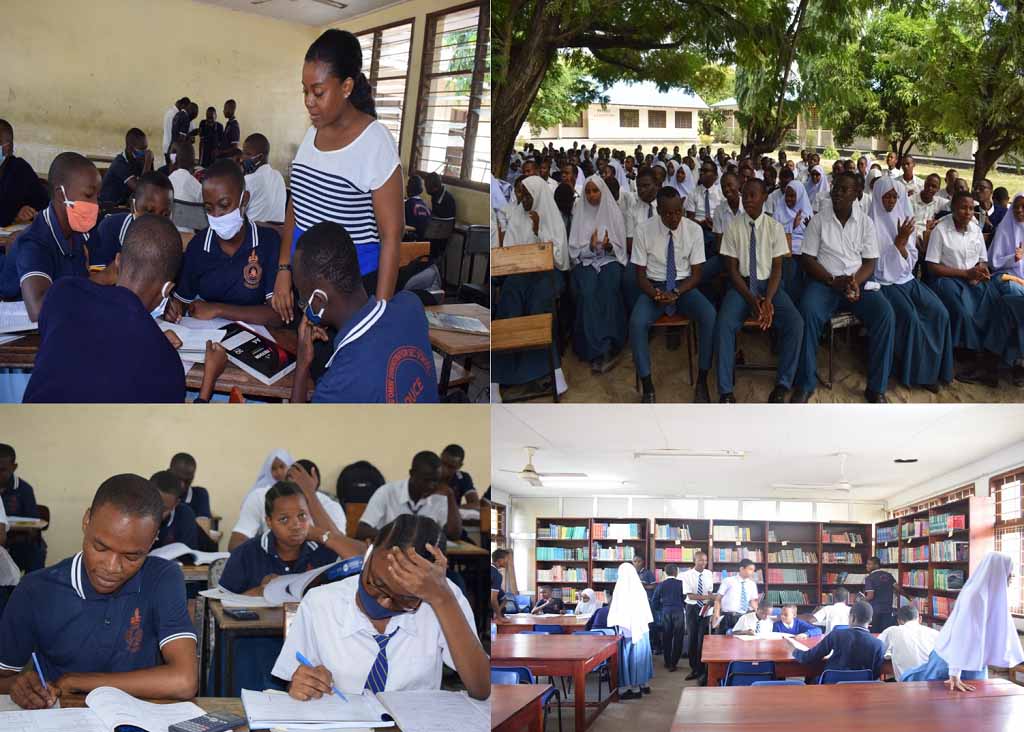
{"x": 82, "y": 215}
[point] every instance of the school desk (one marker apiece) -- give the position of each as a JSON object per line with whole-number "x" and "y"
{"x": 228, "y": 704}
{"x": 453, "y": 344}
{"x": 718, "y": 650}
{"x": 563, "y": 655}
{"x": 919, "y": 706}
{"x": 229, "y": 641}
{"x": 522, "y": 623}
{"x": 517, "y": 707}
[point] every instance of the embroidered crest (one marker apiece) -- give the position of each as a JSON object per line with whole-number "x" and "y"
{"x": 133, "y": 636}
{"x": 253, "y": 272}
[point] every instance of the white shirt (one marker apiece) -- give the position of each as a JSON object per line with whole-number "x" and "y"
{"x": 650, "y": 247}
{"x": 730, "y": 591}
{"x": 391, "y": 500}
{"x": 910, "y": 645}
{"x": 773, "y": 199}
{"x": 913, "y": 186}
{"x": 186, "y": 187}
{"x": 330, "y": 630}
{"x": 724, "y": 216}
{"x": 3, "y": 512}
{"x": 168, "y": 125}
{"x": 252, "y": 518}
{"x": 840, "y": 249}
{"x": 749, "y": 622}
{"x": 695, "y": 202}
{"x": 770, "y": 237}
{"x": 954, "y": 249}
{"x": 924, "y": 212}
{"x": 267, "y": 195}
{"x": 637, "y": 212}
{"x": 833, "y": 615}
{"x": 689, "y": 580}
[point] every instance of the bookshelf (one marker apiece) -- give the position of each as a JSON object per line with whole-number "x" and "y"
{"x": 734, "y": 541}
{"x": 845, "y": 548}
{"x": 614, "y": 541}
{"x": 675, "y": 542}
{"x": 793, "y": 564}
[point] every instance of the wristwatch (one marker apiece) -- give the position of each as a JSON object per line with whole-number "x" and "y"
{"x": 284, "y": 268}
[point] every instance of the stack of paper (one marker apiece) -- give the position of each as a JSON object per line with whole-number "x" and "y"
{"x": 14, "y": 318}
{"x": 231, "y": 599}
{"x": 178, "y": 550}
{"x": 268, "y": 711}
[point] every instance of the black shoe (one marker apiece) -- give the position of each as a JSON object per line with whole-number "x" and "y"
{"x": 875, "y": 397}
{"x": 700, "y": 394}
{"x": 981, "y": 376}
{"x": 778, "y": 395}
{"x": 799, "y": 396}
{"x": 727, "y": 398}
{"x": 933, "y": 388}
{"x": 595, "y": 365}
{"x": 691, "y": 676}
{"x": 645, "y": 689}
{"x": 647, "y": 397}
{"x": 627, "y": 695}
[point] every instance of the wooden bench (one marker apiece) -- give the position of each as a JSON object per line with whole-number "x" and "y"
{"x": 676, "y": 321}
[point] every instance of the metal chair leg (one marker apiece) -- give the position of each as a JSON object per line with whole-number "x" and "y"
{"x": 691, "y": 341}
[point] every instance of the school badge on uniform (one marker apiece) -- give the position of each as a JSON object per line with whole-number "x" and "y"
{"x": 253, "y": 272}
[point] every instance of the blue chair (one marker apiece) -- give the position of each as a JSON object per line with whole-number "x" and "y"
{"x": 839, "y": 627}
{"x": 604, "y": 675}
{"x": 787, "y": 682}
{"x": 834, "y": 676}
{"x": 525, "y": 676}
{"x": 745, "y": 673}
{"x": 877, "y": 681}
{"x": 552, "y": 629}
{"x": 776, "y": 612}
{"x": 499, "y": 676}
{"x": 536, "y": 632}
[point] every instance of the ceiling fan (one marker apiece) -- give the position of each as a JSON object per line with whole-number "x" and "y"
{"x": 842, "y": 484}
{"x": 530, "y": 475}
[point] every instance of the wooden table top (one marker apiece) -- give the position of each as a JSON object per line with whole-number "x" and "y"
{"x": 727, "y": 648}
{"x": 196, "y": 573}
{"x": 270, "y": 618}
{"x": 520, "y": 647}
{"x": 455, "y": 343}
{"x": 507, "y": 699}
{"x": 997, "y": 705}
{"x": 566, "y": 621}
{"x": 464, "y": 549}
{"x": 20, "y": 354}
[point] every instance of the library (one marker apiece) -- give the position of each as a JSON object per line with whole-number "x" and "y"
{"x": 580, "y": 501}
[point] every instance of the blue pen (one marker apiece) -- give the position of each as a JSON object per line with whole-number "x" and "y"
{"x": 39, "y": 670}
{"x": 306, "y": 662}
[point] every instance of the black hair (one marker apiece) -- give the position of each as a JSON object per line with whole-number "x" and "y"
{"x": 746, "y": 563}
{"x": 454, "y": 451}
{"x": 499, "y": 554}
{"x": 184, "y": 102}
{"x": 6, "y": 129}
{"x": 259, "y": 143}
{"x": 425, "y": 459}
{"x": 182, "y": 458}
{"x": 757, "y": 182}
{"x": 841, "y": 594}
{"x": 63, "y": 167}
{"x": 613, "y": 186}
{"x": 1001, "y": 194}
{"x": 359, "y": 476}
{"x": 935, "y": 175}
{"x": 729, "y": 174}
{"x": 211, "y": 109}
{"x": 433, "y": 181}
{"x": 789, "y": 604}
{"x": 408, "y": 530}
{"x": 156, "y": 179}
{"x": 167, "y": 482}
{"x": 280, "y": 489}
{"x": 876, "y": 560}
{"x": 326, "y": 250}
{"x": 565, "y": 196}
{"x": 788, "y": 171}
{"x": 227, "y": 168}
{"x": 861, "y": 613}
{"x": 959, "y": 195}
{"x": 7, "y": 453}
{"x": 184, "y": 154}
{"x": 906, "y": 614}
{"x": 667, "y": 193}
{"x": 132, "y": 495}
{"x": 151, "y": 250}
{"x": 415, "y": 186}
{"x": 341, "y": 51}
{"x": 310, "y": 467}
{"x": 848, "y": 175}
{"x": 671, "y": 570}
{"x": 133, "y": 135}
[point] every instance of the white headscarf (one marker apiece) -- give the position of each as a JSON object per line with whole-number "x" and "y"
{"x": 813, "y": 190}
{"x": 620, "y": 174}
{"x": 980, "y": 631}
{"x": 1009, "y": 234}
{"x": 873, "y": 174}
{"x": 791, "y": 218}
{"x": 551, "y": 227}
{"x": 691, "y": 180}
{"x": 605, "y": 217}
{"x": 265, "y": 479}
{"x": 630, "y": 609}
{"x": 581, "y": 180}
{"x": 588, "y": 605}
{"x": 891, "y": 265}
{"x": 683, "y": 188}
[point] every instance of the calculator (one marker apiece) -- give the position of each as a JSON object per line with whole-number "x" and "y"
{"x": 212, "y": 722}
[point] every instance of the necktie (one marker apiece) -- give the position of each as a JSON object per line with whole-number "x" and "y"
{"x": 650, "y": 210}
{"x": 743, "y": 597}
{"x": 700, "y": 588}
{"x": 752, "y": 277}
{"x": 670, "y": 272}
{"x": 707, "y": 204}
{"x": 378, "y": 676}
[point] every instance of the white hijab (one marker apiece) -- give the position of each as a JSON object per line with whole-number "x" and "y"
{"x": 813, "y": 190}
{"x": 551, "y": 227}
{"x": 605, "y": 217}
{"x": 588, "y": 605}
{"x": 683, "y": 188}
{"x": 620, "y": 174}
{"x": 791, "y": 218}
{"x": 265, "y": 479}
{"x": 887, "y": 225}
{"x": 1009, "y": 234}
{"x": 691, "y": 180}
{"x": 980, "y": 630}
{"x": 630, "y": 609}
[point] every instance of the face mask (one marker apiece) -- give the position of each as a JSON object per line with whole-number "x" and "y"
{"x": 227, "y": 226}
{"x": 2, "y": 156}
{"x": 312, "y": 317}
{"x": 249, "y": 166}
{"x": 139, "y": 154}
{"x": 164, "y": 293}
{"x": 373, "y": 609}
{"x": 82, "y": 215}
{"x": 174, "y": 158}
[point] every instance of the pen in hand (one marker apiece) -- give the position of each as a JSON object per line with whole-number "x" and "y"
{"x": 306, "y": 662}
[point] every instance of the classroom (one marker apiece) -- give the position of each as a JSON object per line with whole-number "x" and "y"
{"x": 226, "y": 546}
{"x": 278, "y": 202}
{"x": 694, "y": 570}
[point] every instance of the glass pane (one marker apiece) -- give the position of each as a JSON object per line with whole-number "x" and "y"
{"x": 759, "y": 510}
{"x": 443, "y": 129}
{"x": 390, "y": 98}
{"x": 455, "y": 41}
{"x": 832, "y": 512}
{"x": 366, "y": 43}
{"x": 796, "y": 511}
{"x": 721, "y": 509}
{"x": 394, "y": 51}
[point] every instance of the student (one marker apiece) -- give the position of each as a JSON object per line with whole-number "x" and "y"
{"x": 909, "y": 642}
{"x": 381, "y": 351}
{"x": 273, "y": 470}
{"x": 1005, "y": 339}
{"x": 545, "y": 174}
{"x": 422, "y": 493}
{"x": 729, "y": 207}
{"x": 923, "y": 347}
{"x": 178, "y": 524}
{"x": 22, "y": 195}
{"x": 776, "y": 196}
{"x": 346, "y": 170}
{"x": 735, "y": 597}
{"x": 753, "y": 250}
{"x": 838, "y": 613}
{"x": 183, "y": 163}
{"x": 461, "y": 482}
{"x": 417, "y": 213}
{"x": 267, "y": 194}
{"x": 232, "y": 132}
{"x": 639, "y": 208}
{"x": 879, "y": 590}
{"x": 442, "y": 205}
{"x": 697, "y": 584}
{"x": 817, "y": 187}
{"x": 1006, "y": 253}
{"x": 794, "y": 212}
{"x": 292, "y": 544}
{"x": 927, "y": 206}
{"x": 757, "y": 622}
{"x": 839, "y": 253}
{"x": 17, "y": 498}
{"x": 211, "y": 134}
{"x": 123, "y": 174}
{"x": 630, "y": 613}
{"x": 389, "y": 628}
{"x": 181, "y": 124}
{"x": 949, "y": 187}
{"x": 499, "y": 561}
{"x": 890, "y": 164}
{"x": 588, "y": 604}
{"x": 599, "y": 620}
{"x": 911, "y": 183}
{"x": 109, "y": 616}
{"x": 848, "y": 649}
{"x": 984, "y": 208}
{"x": 54, "y": 245}
{"x": 668, "y": 252}
{"x": 788, "y": 622}
{"x": 1001, "y": 199}
{"x": 668, "y": 597}
{"x": 153, "y": 195}
{"x": 700, "y": 207}
{"x": 979, "y": 632}
{"x": 547, "y": 603}
{"x": 597, "y": 253}
{"x": 101, "y": 344}
{"x": 168, "y": 129}
{"x": 183, "y": 466}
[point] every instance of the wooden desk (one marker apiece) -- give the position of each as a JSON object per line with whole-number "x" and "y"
{"x": 523, "y": 623}
{"x": 228, "y": 704}
{"x": 20, "y": 354}
{"x": 227, "y": 631}
{"x": 563, "y": 655}
{"x": 517, "y": 708}
{"x": 451, "y": 344}
{"x": 919, "y": 706}
{"x": 196, "y": 573}
{"x": 465, "y": 549}
{"x": 718, "y": 650}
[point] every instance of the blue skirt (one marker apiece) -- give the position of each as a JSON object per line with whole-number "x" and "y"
{"x": 1005, "y": 336}
{"x": 636, "y": 663}
{"x": 923, "y": 341}
{"x": 525, "y": 294}
{"x": 936, "y": 669}
{"x": 969, "y": 307}
{"x": 600, "y": 327}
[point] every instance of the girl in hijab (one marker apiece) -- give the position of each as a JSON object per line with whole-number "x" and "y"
{"x": 620, "y": 174}
{"x": 597, "y": 250}
{"x": 793, "y": 212}
{"x": 1006, "y": 252}
{"x": 679, "y": 181}
{"x": 923, "y": 343}
{"x": 630, "y": 612}
{"x": 535, "y": 218}
{"x": 588, "y": 604}
{"x": 274, "y": 469}
{"x": 690, "y": 182}
{"x": 817, "y": 187}
{"x": 661, "y": 173}
{"x": 979, "y": 631}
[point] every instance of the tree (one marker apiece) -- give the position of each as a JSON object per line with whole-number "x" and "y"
{"x": 563, "y": 94}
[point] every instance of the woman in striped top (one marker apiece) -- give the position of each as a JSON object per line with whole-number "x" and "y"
{"x": 346, "y": 170}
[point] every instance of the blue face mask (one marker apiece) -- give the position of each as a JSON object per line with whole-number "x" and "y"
{"x": 139, "y": 154}
{"x": 373, "y": 609}
{"x": 249, "y": 165}
{"x": 312, "y": 317}
{"x": 2, "y": 156}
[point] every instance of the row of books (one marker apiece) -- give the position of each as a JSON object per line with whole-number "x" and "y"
{"x": 942, "y": 606}
{"x": 948, "y": 579}
{"x": 732, "y": 533}
{"x": 772, "y": 536}
{"x": 786, "y": 576}
{"x": 792, "y": 556}
{"x": 841, "y": 537}
{"x": 950, "y": 551}
{"x": 844, "y": 578}
{"x": 887, "y": 533}
{"x": 618, "y": 552}
{"x": 569, "y": 595}
{"x": 679, "y": 554}
{"x": 617, "y": 531}
{"x": 942, "y": 522}
{"x": 842, "y": 558}
{"x": 558, "y": 573}
{"x": 606, "y": 574}
{"x": 552, "y": 553}
{"x": 921, "y": 603}
{"x": 787, "y": 597}
{"x": 554, "y": 531}
{"x": 888, "y": 555}
{"x": 736, "y": 555}
{"x": 719, "y": 576}
{"x": 914, "y": 529}
{"x": 915, "y": 578}
{"x": 911, "y": 554}
{"x": 667, "y": 531}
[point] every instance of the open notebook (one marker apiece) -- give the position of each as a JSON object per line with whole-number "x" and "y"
{"x": 179, "y": 550}
{"x": 288, "y": 587}
{"x": 107, "y": 710}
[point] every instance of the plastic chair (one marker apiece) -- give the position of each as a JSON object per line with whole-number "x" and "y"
{"x": 504, "y": 677}
{"x": 525, "y": 676}
{"x": 745, "y": 673}
{"x": 834, "y": 676}
{"x": 876, "y": 681}
{"x": 536, "y": 632}
{"x": 552, "y": 629}
{"x": 786, "y": 682}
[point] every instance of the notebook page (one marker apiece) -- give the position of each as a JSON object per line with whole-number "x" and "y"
{"x": 115, "y": 707}
{"x": 437, "y": 711}
{"x": 14, "y": 318}
{"x": 275, "y": 710}
{"x": 51, "y": 720}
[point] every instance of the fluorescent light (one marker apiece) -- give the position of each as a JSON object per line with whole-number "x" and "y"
{"x": 590, "y": 485}
{"x": 674, "y": 453}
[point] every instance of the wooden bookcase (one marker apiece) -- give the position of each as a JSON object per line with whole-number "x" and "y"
{"x": 611, "y": 550}
{"x": 733, "y": 541}
{"x": 845, "y": 547}
{"x": 793, "y": 563}
{"x": 699, "y": 531}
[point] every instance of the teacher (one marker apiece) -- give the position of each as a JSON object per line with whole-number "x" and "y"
{"x": 346, "y": 170}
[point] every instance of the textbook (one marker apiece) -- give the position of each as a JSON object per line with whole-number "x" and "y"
{"x": 459, "y": 323}
{"x": 291, "y": 588}
{"x": 25, "y": 522}
{"x": 107, "y": 709}
{"x": 796, "y": 644}
{"x": 256, "y": 355}
{"x": 193, "y": 340}
{"x": 177, "y": 550}
{"x": 14, "y": 318}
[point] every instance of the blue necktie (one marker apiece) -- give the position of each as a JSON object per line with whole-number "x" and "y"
{"x": 744, "y": 602}
{"x": 650, "y": 210}
{"x": 670, "y": 272}
{"x": 378, "y": 676}
{"x": 700, "y": 588}
{"x": 754, "y": 283}
{"x": 707, "y": 204}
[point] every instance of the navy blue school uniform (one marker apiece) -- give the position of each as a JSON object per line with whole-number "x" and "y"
{"x": 254, "y": 559}
{"x": 461, "y": 483}
{"x": 417, "y": 215}
{"x": 852, "y": 649}
{"x": 109, "y": 239}
{"x": 179, "y": 128}
{"x": 1005, "y": 334}
{"x": 245, "y": 278}
{"x": 442, "y": 206}
{"x": 797, "y": 628}
{"x": 198, "y": 499}
{"x": 19, "y": 186}
{"x": 526, "y": 294}
{"x": 496, "y": 582}
{"x": 28, "y": 550}
{"x": 883, "y": 584}
{"x": 179, "y": 527}
{"x": 599, "y": 620}
{"x": 72, "y": 628}
{"x": 42, "y": 251}
{"x": 115, "y": 190}
{"x": 99, "y": 344}
{"x": 381, "y": 355}
{"x": 232, "y": 133}
{"x": 600, "y": 318}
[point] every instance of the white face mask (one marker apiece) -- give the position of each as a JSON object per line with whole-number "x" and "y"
{"x": 227, "y": 226}
{"x": 165, "y": 292}
{"x": 174, "y": 158}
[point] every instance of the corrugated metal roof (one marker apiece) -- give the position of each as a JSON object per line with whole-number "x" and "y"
{"x": 646, "y": 94}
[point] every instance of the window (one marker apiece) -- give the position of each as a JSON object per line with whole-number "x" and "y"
{"x": 453, "y": 120}
{"x": 1008, "y": 499}
{"x": 655, "y": 117}
{"x": 684, "y": 119}
{"x": 721, "y": 509}
{"x": 629, "y": 118}
{"x": 832, "y": 512}
{"x": 1010, "y": 528}
{"x": 759, "y": 510}
{"x": 796, "y": 511}
{"x": 1010, "y": 540}
{"x": 386, "y": 55}
{"x": 576, "y": 121}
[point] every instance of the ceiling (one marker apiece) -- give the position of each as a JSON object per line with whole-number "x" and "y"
{"x": 782, "y": 445}
{"x": 308, "y": 12}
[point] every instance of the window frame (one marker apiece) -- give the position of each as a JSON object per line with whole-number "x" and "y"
{"x": 630, "y": 127}
{"x": 1008, "y": 526}
{"x": 663, "y": 120}
{"x": 676, "y": 119}
{"x": 372, "y": 74}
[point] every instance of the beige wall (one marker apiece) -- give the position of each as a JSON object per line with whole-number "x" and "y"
{"x": 66, "y": 452}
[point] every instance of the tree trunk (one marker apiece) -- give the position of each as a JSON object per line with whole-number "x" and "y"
{"x": 514, "y": 98}
{"x": 990, "y": 148}
{"x": 902, "y": 148}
